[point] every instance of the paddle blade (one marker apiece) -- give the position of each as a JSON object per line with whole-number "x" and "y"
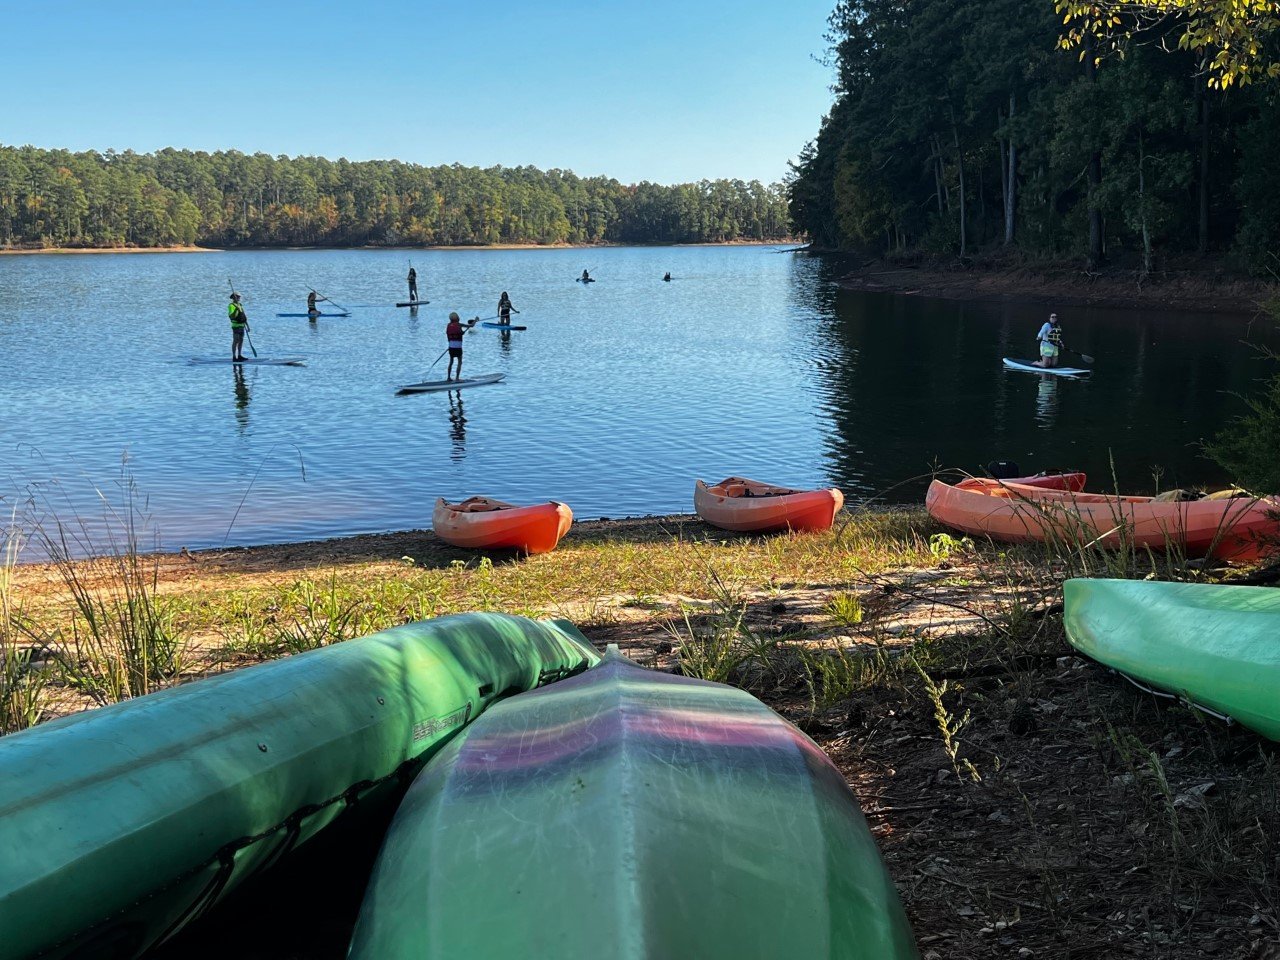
{"x": 1086, "y": 358}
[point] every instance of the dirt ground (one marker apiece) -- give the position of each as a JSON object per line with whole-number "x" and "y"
{"x": 1039, "y": 806}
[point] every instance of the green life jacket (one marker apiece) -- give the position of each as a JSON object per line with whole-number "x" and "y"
{"x": 236, "y": 313}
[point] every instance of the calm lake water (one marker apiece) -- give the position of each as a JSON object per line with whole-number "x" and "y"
{"x": 618, "y": 395}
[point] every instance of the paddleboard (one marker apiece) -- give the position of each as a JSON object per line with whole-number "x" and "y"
{"x": 1027, "y": 366}
{"x": 432, "y": 386}
{"x": 502, "y": 326}
{"x": 588, "y": 280}
{"x": 258, "y": 361}
{"x": 313, "y": 315}
{"x": 413, "y": 303}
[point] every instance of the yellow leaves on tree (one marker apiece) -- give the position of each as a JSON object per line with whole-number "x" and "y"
{"x": 1228, "y": 34}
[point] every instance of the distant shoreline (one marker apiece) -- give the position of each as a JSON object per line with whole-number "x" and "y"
{"x": 17, "y": 251}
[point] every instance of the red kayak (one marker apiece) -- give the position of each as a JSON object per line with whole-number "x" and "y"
{"x": 749, "y": 506}
{"x": 1224, "y": 526}
{"x": 482, "y": 523}
{"x": 1047, "y": 480}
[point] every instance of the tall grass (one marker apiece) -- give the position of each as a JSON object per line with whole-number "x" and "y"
{"x": 716, "y": 642}
{"x": 23, "y": 680}
{"x": 117, "y": 639}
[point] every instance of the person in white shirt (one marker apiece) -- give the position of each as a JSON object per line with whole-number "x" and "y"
{"x": 1050, "y": 340}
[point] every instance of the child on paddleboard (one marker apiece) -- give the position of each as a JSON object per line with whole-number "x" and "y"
{"x": 454, "y": 333}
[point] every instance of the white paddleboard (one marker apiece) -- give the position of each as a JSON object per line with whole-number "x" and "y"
{"x": 254, "y": 361}
{"x": 1028, "y": 367}
{"x": 431, "y": 386}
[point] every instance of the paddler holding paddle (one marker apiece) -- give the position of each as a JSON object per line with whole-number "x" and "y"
{"x": 1050, "y": 340}
{"x": 239, "y": 325}
{"x": 312, "y": 309}
{"x": 454, "y": 333}
{"x": 504, "y": 309}
{"x": 413, "y": 284}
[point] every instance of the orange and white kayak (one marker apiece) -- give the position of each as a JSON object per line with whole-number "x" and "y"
{"x": 482, "y": 523}
{"x": 749, "y": 506}
{"x": 1227, "y": 529}
{"x": 1051, "y": 480}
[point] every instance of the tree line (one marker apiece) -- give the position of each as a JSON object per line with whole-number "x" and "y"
{"x": 967, "y": 124}
{"x": 227, "y": 198}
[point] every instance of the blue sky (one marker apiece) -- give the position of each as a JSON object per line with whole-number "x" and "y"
{"x": 651, "y": 90}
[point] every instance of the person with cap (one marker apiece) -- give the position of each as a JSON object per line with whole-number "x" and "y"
{"x": 413, "y": 284}
{"x": 239, "y": 324}
{"x": 1050, "y": 340}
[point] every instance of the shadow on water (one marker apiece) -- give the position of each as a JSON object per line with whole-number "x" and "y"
{"x": 908, "y": 382}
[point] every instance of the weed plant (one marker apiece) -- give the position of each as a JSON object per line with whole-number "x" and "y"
{"x": 23, "y": 680}
{"x": 117, "y": 638}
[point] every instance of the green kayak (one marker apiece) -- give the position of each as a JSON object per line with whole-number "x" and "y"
{"x": 119, "y": 825}
{"x": 630, "y": 814}
{"x": 1217, "y": 647}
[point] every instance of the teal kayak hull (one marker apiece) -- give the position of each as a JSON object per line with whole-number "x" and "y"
{"x": 1215, "y": 646}
{"x": 119, "y": 825}
{"x": 630, "y": 814}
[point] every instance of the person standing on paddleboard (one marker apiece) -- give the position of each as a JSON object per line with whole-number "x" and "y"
{"x": 413, "y": 285}
{"x": 239, "y": 324}
{"x": 505, "y": 308}
{"x": 1050, "y": 340}
{"x": 453, "y": 333}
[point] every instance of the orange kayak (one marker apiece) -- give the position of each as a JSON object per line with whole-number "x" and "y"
{"x": 1227, "y": 529}
{"x": 749, "y": 506}
{"x": 485, "y": 524}
{"x": 1050, "y": 481}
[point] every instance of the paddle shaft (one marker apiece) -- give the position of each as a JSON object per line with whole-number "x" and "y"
{"x": 329, "y": 300}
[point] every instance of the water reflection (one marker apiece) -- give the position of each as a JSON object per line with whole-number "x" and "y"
{"x": 1047, "y": 401}
{"x": 457, "y": 426}
{"x": 907, "y": 381}
{"x": 242, "y": 397}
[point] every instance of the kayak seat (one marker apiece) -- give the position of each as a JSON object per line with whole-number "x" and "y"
{"x": 736, "y": 487}
{"x": 479, "y": 505}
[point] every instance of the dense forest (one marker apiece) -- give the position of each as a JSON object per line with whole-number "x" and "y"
{"x": 179, "y": 197}
{"x": 961, "y": 125}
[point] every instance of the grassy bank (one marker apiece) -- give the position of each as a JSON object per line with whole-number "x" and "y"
{"x": 1027, "y": 802}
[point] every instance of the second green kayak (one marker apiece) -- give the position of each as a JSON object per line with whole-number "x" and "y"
{"x": 632, "y": 815}
{"x": 1216, "y": 646}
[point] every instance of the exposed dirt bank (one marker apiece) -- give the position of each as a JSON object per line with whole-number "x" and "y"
{"x": 1191, "y": 285}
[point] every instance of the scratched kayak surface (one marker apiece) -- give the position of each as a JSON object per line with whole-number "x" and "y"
{"x": 119, "y": 825}
{"x": 630, "y": 814}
